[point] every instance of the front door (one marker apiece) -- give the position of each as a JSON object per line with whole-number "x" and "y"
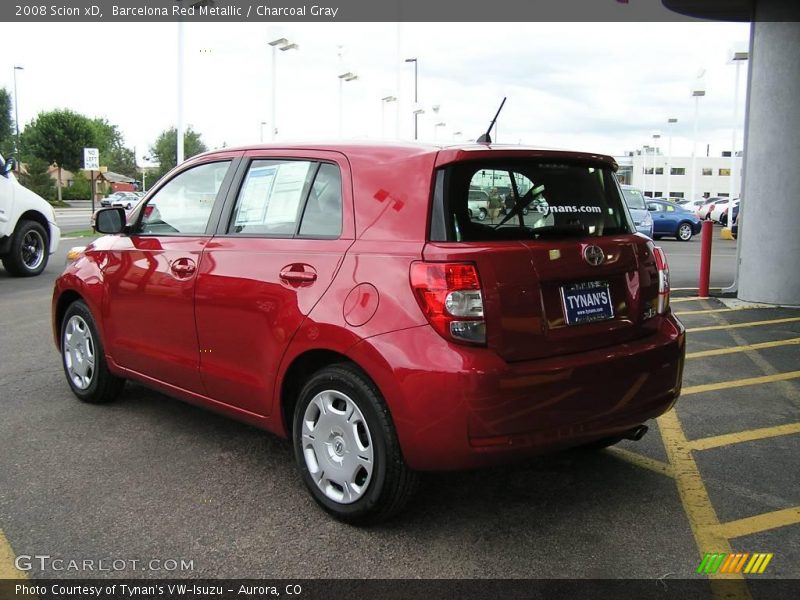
{"x": 152, "y": 273}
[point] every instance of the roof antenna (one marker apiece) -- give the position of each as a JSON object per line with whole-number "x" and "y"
{"x": 486, "y": 138}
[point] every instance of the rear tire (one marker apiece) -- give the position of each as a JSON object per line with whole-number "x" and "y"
{"x": 684, "y": 232}
{"x": 29, "y": 250}
{"x": 346, "y": 447}
{"x": 83, "y": 358}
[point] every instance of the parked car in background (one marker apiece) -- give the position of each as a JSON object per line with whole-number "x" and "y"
{"x": 671, "y": 220}
{"x": 28, "y": 230}
{"x": 692, "y": 205}
{"x": 478, "y": 205}
{"x": 706, "y": 210}
{"x": 110, "y": 198}
{"x": 635, "y": 201}
{"x": 720, "y": 206}
{"x": 723, "y": 217}
{"x": 737, "y": 219}
{"x": 383, "y": 333}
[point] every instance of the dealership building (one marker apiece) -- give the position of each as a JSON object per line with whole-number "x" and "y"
{"x": 659, "y": 175}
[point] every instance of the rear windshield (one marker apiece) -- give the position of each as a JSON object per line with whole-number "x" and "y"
{"x": 634, "y": 199}
{"x": 526, "y": 199}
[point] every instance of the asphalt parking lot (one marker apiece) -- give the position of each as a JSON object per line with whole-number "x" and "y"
{"x": 152, "y": 478}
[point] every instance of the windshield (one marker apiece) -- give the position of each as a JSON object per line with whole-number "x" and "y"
{"x": 633, "y": 198}
{"x": 530, "y": 199}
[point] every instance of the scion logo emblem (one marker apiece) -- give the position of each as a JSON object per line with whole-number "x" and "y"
{"x": 593, "y": 255}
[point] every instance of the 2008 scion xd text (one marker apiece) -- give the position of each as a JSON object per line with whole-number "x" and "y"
{"x": 341, "y": 296}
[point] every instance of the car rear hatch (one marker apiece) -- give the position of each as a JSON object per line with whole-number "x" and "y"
{"x": 568, "y": 277}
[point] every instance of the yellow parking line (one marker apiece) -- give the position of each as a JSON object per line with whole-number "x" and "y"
{"x": 759, "y": 523}
{"x": 750, "y": 324}
{"x": 7, "y": 556}
{"x": 750, "y": 435}
{"x": 642, "y": 461}
{"x": 687, "y": 299}
{"x": 697, "y": 504}
{"x": 724, "y": 385}
{"x": 746, "y": 348}
{"x": 682, "y": 313}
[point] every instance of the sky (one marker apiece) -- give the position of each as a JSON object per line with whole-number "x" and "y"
{"x": 598, "y": 87}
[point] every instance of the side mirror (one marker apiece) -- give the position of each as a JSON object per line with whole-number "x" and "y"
{"x": 10, "y": 165}
{"x": 109, "y": 220}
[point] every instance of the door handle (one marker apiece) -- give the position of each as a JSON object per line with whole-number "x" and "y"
{"x": 183, "y": 268}
{"x": 298, "y": 274}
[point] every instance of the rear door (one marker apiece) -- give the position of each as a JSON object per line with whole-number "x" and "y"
{"x": 287, "y": 224}
{"x": 568, "y": 277}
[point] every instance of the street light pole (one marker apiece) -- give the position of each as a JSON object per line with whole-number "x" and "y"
{"x": 179, "y": 133}
{"x": 670, "y": 122}
{"x": 417, "y": 112}
{"x": 283, "y": 45}
{"x": 384, "y": 101}
{"x": 656, "y": 137}
{"x": 436, "y": 129}
{"x": 349, "y": 76}
{"x": 697, "y": 93}
{"x": 16, "y": 110}
{"x": 261, "y": 136}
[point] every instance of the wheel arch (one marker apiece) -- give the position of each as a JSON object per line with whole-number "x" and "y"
{"x": 64, "y": 301}
{"x": 37, "y": 217}
{"x": 297, "y": 373}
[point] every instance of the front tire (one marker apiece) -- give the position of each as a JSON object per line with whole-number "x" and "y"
{"x": 482, "y": 214}
{"x": 346, "y": 447}
{"x": 29, "y": 250}
{"x": 83, "y": 358}
{"x": 685, "y": 232}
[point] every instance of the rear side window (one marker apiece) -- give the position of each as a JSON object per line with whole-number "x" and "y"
{"x": 633, "y": 198}
{"x": 528, "y": 199}
{"x": 271, "y": 197}
{"x": 289, "y": 198}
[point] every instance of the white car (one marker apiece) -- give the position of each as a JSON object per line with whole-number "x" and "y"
{"x": 720, "y": 206}
{"x": 126, "y": 200}
{"x": 28, "y": 230}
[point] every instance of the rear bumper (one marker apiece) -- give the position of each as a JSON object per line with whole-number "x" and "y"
{"x": 456, "y": 407}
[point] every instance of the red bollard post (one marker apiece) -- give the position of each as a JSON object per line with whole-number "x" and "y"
{"x": 705, "y": 258}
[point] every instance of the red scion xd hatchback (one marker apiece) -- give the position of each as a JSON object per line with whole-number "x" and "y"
{"x": 343, "y": 297}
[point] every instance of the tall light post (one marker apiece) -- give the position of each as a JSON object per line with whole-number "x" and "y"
{"x": 670, "y": 124}
{"x": 417, "y": 111}
{"x": 261, "y": 131}
{"x": 436, "y": 129}
{"x": 656, "y": 137}
{"x": 457, "y": 136}
{"x": 283, "y": 45}
{"x": 344, "y": 77}
{"x": 16, "y": 110}
{"x": 737, "y": 58}
{"x": 179, "y": 129}
{"x": 384, "y": 101}
{"x": 698, "y": 92}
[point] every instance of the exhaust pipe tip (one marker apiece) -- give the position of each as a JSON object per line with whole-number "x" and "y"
{"x": 636, "y": 433}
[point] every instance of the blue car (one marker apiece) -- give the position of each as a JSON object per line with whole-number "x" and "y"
{"x": 641, "y": 217}
{"x": 671, "y": 220}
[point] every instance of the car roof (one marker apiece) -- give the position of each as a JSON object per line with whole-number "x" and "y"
{"x": 387, "y": 151}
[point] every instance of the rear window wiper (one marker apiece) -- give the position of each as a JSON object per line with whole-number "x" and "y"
{"x": 521, "y": 204}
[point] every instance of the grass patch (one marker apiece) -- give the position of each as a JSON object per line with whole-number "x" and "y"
{"x": 82, "y": 233}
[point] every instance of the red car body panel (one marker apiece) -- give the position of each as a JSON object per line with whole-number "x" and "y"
{"x": 225, "y": 334}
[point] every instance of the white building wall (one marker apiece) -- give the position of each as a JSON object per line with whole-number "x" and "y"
{"x": 709, "y": 181}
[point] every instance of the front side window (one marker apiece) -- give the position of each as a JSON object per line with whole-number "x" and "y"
{"x": 530, "y": 199}
{"x": 183, "y": 205}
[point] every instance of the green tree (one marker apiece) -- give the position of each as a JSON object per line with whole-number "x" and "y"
{"x": 165, "y": 152}
{"x": 113, "y": 152}
{"x": 81, "y": 188}
{"x": 59, "y": 137}
{"x": 6, "y": 124}
{"x": 37, "y": 179}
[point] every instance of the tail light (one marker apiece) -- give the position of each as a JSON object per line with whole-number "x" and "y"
{"x": 450, "y": 296}
{"x": 663, "y": 280}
